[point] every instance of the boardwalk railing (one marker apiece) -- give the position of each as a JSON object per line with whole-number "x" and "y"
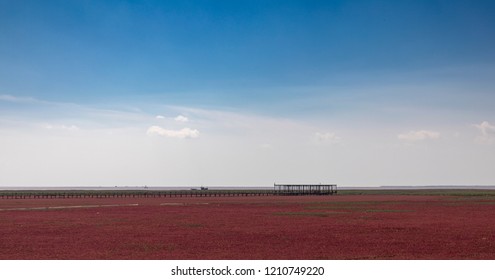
{"x": 49, "y": 194}
{"x": 295, "y": 189}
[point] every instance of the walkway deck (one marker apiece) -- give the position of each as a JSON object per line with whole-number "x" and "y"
{"x": 279, "y": 190}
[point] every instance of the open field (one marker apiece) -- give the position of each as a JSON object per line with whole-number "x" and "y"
{"x": 350, "y": 225}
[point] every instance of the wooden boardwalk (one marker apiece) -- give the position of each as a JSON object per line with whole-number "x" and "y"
{"x": 300, "y": 189}
{"x": 277, "y": 191}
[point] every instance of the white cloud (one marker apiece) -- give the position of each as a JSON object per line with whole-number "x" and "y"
{"x": 327, "y": 137}
{"x": 486, "y": 128}
{"x": 419, "y": 135}
{"x": 160, "y": 117}
{"x": 16, "y": 99}
{"x": 181, "y": 118}
{"x": 266, "y": 146}
{"x": 487, "y": 131}
{"x": 181, "y": 134}
{"x": 62, "y": 127}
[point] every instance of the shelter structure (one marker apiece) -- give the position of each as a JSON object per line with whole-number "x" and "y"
{"x": 299, "y": 189}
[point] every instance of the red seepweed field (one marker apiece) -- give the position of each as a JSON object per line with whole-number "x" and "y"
{"x": 343, "y": 226}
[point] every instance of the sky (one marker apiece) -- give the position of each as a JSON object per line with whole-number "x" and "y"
{"x": 247, "y": 93}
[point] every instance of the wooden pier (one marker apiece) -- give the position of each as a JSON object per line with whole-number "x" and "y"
{"x": 292, "y": 189}
{"x": 278, "y": 190}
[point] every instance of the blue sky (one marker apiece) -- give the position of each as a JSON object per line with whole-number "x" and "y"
{"x": 254, "y": 81}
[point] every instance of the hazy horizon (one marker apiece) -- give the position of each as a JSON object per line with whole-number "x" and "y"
{"x": 238, "y": 187}
{"x": 198, "y": 93}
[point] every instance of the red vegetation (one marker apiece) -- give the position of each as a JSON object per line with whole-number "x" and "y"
{"x": 311, "y": 227}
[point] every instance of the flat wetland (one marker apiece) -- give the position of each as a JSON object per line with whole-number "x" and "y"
{"x": 375, "y": 224}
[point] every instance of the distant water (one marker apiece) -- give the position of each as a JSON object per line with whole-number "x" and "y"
{"x": 442, "y": 187}
{"x": 172, "y": 188}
